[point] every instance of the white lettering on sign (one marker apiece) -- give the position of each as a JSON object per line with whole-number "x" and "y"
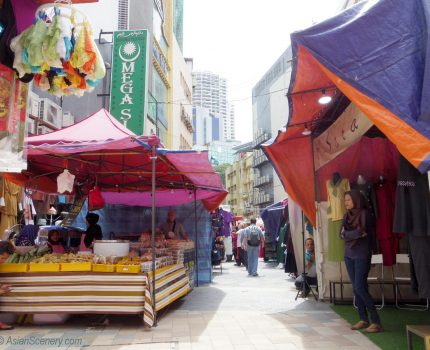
{"x": 127, "y": 84}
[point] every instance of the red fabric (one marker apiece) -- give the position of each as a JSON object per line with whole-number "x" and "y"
{"x": 388, "y": 242}
{"x": 389, "y": 247}
{"x": 95, "y": 199}
{"x": 356, "y": 160}
{"x": 292, "y": 159}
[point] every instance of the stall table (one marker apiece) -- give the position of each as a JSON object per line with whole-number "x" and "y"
{"x": 93, "y": 292}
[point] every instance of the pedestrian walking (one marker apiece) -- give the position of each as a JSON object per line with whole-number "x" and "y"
{"x": 241, "y": 245}
{"x": 253, "y": 237}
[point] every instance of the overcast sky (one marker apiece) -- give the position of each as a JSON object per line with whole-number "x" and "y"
{"x": 237, "y": 39}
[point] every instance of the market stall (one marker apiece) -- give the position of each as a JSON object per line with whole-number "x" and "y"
{"x": 101, "y": 154}
{"x": 359, "y": 116}
{"x": 89, "y": 292}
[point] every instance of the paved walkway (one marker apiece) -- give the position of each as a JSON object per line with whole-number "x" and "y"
{"x": 235, "y": 312}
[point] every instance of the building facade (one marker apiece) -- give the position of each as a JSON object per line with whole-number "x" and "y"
{"x": 210, "y": 91}
{"x": 270, "y": 113}
{"x": 207, "y": 126}
{"x": 182, "y": 118}
{"x": 222, "y": 152}
{"x": 239, "y": 178}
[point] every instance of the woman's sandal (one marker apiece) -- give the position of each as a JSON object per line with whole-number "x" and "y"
{"x": 374, "y": 328}
{"x": 360, "y": 325}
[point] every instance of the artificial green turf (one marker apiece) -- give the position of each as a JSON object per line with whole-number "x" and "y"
{"x": 394, "y": 322}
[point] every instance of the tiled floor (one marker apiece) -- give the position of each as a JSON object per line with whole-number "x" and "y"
{"x": 235, "y": 312}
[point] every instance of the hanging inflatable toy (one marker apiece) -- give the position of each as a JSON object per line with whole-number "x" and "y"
{"x": 58, "y": 51}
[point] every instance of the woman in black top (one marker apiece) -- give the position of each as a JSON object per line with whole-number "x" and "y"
{"x": 358, "y": 253}
{"x": 94, "y": 231}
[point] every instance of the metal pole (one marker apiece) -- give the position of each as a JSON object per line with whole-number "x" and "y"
{"x": 153, "y": 159}
{"x": 196, "y": 260}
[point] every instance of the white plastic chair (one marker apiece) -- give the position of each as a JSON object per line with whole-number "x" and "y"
{"x": 398, "y": 279}
{"x": 377, "y": 259}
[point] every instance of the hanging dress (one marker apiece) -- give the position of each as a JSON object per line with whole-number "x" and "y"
{"x": 335, "y": 213}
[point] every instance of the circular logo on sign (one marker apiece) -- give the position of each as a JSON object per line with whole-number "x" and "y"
{"x": 129, "y": 51}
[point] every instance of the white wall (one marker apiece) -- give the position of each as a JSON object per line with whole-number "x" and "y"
{"x": 179, "y": 96}
{"x": 279, "y": 116}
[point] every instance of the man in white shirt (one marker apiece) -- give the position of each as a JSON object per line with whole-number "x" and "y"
{"x": 253, "y": 238}
{"x": 241, "y": 251}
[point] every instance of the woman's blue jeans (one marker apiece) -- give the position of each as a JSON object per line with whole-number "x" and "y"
{"x": 358, "y": 271}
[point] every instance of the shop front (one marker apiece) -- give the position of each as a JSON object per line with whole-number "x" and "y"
{"x": 359, "y": 116}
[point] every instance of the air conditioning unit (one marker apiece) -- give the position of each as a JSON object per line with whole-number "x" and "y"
{"x": 51, "y": 113}
{"x": 34, "y": 102}
{"x": 44, "y": 130}
{"x": 68, "y": 119}
{"x": 30, "y": 125}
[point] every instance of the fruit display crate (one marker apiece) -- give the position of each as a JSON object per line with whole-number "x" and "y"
{"x": 44, "y": 267}
{"x": 75, "y": 267}
{"x": 5, "y": 268}
{"x": 128, "y": 268}
{"x": 103, "y": 268}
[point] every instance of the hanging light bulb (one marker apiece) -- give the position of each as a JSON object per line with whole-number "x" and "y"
{"x": 306, "y": 132}
{"x": 324, "y": 99}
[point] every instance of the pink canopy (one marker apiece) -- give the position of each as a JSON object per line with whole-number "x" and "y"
{"x": 99, "y": 150}
{"x": 100, "y": 126}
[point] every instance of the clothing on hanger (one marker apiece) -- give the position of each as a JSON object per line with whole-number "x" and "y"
{"x": 65, "y": 182}
{"x": 335, "y": 212}
{"x": 388, "y": 241}
{"x": 227, "y": 221}
{"x": 412, "y": 212}
{"x": 12, "y": 195}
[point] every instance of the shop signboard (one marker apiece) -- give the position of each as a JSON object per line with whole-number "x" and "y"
{"x": 341, "y": 135}
{"x": 129, "y": 85}
{"x": 13, "y": 112}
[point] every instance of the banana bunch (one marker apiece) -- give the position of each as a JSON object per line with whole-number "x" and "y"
{"x": 34, "y": 254}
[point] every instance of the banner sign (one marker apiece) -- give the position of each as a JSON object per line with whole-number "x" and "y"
{"x": 13, "y": 112}
{"x": 342, "y": 134}
{"x": 129, "y": 78}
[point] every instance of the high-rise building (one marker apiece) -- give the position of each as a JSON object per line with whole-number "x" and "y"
{"x": 210, "y": 91}
{"x": 207, "y": 126}
{"x": 178, "y": 22}
{"x": 222, "y": 152}
{"x": 123, "y": 15}
{"x": 230, "y": 123}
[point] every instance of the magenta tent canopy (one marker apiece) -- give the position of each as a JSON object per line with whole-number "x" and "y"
{"x": 100, "y": 150}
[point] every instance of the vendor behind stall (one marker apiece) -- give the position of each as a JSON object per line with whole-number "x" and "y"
{"x": 172, "y": 228}
{"x": 55, "y": 242}
{"x": 93, "y": 232}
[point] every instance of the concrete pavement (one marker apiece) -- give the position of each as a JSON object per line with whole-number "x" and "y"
{"x": 235, "y": 312}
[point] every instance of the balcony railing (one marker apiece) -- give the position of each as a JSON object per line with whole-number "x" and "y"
{"x": 260, "y": 160}
{"x": 262, "y": 180}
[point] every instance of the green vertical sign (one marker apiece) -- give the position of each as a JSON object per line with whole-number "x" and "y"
{"x": 129, "y": 78}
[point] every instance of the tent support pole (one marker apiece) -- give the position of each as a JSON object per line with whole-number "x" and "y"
{"x": 197, "y": 240}
{"x": 153, "y": 159}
